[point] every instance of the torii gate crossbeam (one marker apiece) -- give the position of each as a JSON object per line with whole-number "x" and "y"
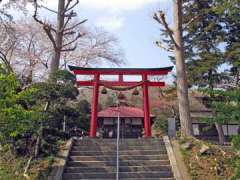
{"x": 96, "y": 83}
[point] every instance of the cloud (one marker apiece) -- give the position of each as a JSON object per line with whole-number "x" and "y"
{"x": 111, "y": 23}
{"x": 112, "y": 16}
{"x": 110, "y": 5}
{"x": 51, "y": 3}
{"x": 117, "y": 5}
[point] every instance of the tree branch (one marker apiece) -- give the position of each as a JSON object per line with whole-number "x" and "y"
{"x": 69, "y": 17}
{"x": 75, "y": 39}
{"x": 69, "y": 33}
{"x": 50, "y": 36}
{"x": 5, "y": 61}
{"x": 67, "y": 8}
{"x": 160, "y": 18}
{"x": 38, "y": 20}
{"x": 191, "y": 21}
{"x": 47, "y": 27}
{"x": 72, "y": 27}
{"x": 162, "y": 46}
{"x": 67, "y": 5}
{"x": 70, "y": 49}
{"x": 51, "y": 10}
{"x": 35, "y": 13}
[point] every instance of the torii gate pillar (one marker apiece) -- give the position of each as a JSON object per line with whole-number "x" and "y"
{"x": 147, "y": 123}
{"x": 94, "y": 108}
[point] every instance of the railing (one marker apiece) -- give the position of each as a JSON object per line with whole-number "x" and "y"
{"x": 118, "y": 132}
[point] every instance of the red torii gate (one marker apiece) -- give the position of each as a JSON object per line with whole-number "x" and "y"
{"x": 96, "y": 83}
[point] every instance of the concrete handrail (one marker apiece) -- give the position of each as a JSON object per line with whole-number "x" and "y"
{"x": 60, "y": 162}
{"x": 172, "y": 159}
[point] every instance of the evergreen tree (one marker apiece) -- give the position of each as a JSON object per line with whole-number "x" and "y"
{"x": 229, "y": 10}
{"x": 203, "y": 34}
{"x": 84, "y": 109}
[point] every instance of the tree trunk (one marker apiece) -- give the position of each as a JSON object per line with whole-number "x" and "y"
{"x": 182, "y": 87}
{"x": 40, "y": 134}
{"x": 64, "y": 123}
{"x": 6, "y": 63}
{"x": 221, "y": 136}
{"x": 238, "y": 77}
{"x": 37, "y": 146}
{"x": 217, "y": 125}
{"x": 31, "y": 63}
{"x": 59, "y": 38}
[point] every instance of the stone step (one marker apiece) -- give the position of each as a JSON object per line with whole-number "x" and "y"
{"x": 121, "y": 143}
{"x": 120, "y": 140}
{"x": 110, "y": 153}
{"x": 90, "y": 169}
{"x": 113, "y": 148}
{"x": 122, "y": 178}
{"x": 145, "y": 168}
{"x": 121, "y": 169}
{"x": 124, "y": 175}
{"x": 121, "y": 163}
{"x": 121, "y": 157}
{"x": 140, "y": 159}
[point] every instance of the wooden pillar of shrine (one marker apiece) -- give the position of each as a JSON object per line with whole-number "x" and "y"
{"x": 147, "y": 121}
{"x": 94, "y": 108}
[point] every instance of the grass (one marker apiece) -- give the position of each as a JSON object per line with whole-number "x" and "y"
{"x": 219, "y": 165}
{"x": 13, "y": 167}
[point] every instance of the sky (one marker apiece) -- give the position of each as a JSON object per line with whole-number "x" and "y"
{"x": 132, "y": 23}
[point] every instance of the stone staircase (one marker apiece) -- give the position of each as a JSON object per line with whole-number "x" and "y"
{"x": 139, "y": 159}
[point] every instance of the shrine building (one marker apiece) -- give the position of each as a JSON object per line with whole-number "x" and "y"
{"x": 131, "y": 122}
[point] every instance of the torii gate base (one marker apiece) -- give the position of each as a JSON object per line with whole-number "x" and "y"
{"x": 96, "y": 83}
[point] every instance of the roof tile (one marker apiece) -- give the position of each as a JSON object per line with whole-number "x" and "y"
{"x": 125, "y": 111}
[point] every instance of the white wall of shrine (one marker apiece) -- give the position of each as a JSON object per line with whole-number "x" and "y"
{"x": 132, "y": 121}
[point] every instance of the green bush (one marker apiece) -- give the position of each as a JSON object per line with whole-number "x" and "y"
{"x": 161, "y": 124}
{"x": 236, "y": 161}
{"x": 236, "y": 142}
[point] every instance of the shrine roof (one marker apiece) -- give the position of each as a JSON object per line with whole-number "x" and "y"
{"x": 125, "y": 111}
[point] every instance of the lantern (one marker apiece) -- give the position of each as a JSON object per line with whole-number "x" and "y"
{"x": 121, "y": 96}
{"x": 135, "y": 92}
{"x": 104, "y": 90}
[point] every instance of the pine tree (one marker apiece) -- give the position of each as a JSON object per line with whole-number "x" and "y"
{"x": 231, "y": 18}
{"x": 203, "y": 33}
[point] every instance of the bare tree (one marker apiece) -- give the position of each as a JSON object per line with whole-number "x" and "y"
{"x": 7, "y": 43}
{"x": 32, "y": 53}
{"x": 63, "y": 28}
{"x": 32, "y": 50}
{"x": 5, "y": 14}
{"x": 25, "y": 49}
{"x": 29, "y": 50}
{"x": 7, "y": 33}
{"x": 96, "y": 47}
{"x": 178, "y": 49}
